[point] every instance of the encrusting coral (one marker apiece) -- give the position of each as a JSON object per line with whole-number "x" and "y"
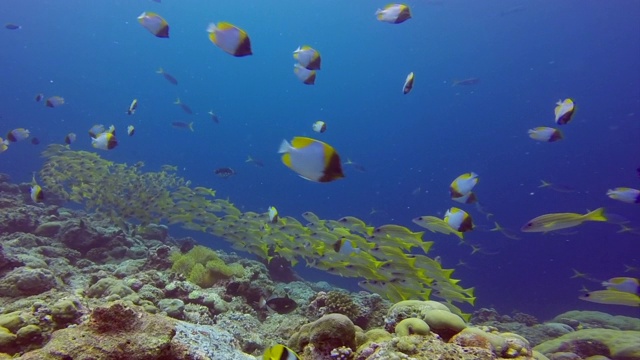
{"x": 203, "y": 267}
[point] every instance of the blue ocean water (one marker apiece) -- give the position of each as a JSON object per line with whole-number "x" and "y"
{"x": 526, "y": 54}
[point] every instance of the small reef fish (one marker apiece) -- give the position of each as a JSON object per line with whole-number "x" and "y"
{"x": 394, "y": 13}
{"x": 11, "y": 26}
{"x": 224, "y": 172}
{"x": 231, "y": 39}
{"x": 39, "y": 97}
{"x": 4, "y": 145}
{"x": 458, "y": 219}
{"x": 508, "y": 233}
{"x": 408, "y": 84}
{"x": 307, "y": 57}
{"x": 214, "y": 117}
{"x": 355, "y": 165}
{"x": 70, "y": 138}
{"x": 255, "y": 162}
{"x": 465, "y": 82}
{"x": 36, "y": 191}
{"x": 281, "y": 305}
{"x": 611, "y": 297}
{"x": 17, "y": 134}
{"x": 184, "y": 106}
{"x": 54, "y": 101}
{"x": 564, "y": 111}
{"x": 624, "y": 284}
{"x": 132, "y": 107}
{"x": 557, "y": 187}
{"x": 167, "y": 76}
{"x": 557, "y": 221}
{"x": 468, "y": 198}
{"x": 154, "y": 23}
{"x": 96, "y": 130}
{"x": 273, "y": 214}
{"x": 625, "y": 194}
{"x": 546, "y": 134}
{"x": 463, "y": 184}
{"x": 131, "y": 130}
{"x": 319, "y": 126}
{"x": 311, "y": 159}
{"x": 182, "y": 125}
{"x": 280, "y": 352}
{"x": 435, "y": 224}
{"x": 104, "y": 141}
{"x": 305, "y": 75}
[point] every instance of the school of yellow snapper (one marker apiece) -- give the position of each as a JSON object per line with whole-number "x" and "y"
{"x": 384, "y": 256}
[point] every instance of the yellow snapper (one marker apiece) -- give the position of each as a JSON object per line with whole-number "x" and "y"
{"x": 154, "y": 23}
{"x": 394, "y": 13}
{"x": 307, "y": 57}
{"x": 231, "y": 39}
{"x": 311, "y": 159}
{"x": 556, "y": 221}
{"x": 612, "y": 297}
{"x": 625, "y": 194}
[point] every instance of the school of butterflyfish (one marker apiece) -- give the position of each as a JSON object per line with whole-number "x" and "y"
{"x": 392, "y": 260}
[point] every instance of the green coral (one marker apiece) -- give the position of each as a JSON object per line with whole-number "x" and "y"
{"x": 203, "y": 267}
{"x": 341, "y": 303}
{"x": 412, "y": 326}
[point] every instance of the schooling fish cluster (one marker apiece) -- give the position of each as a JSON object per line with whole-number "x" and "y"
{"x": 346, "y": 247}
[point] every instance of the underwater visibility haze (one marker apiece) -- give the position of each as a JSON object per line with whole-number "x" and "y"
{"x": 485, "y": 74}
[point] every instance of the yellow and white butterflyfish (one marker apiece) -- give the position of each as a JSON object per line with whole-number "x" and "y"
{"x": 394, "y": 13}
{"x": 408, "y": 83}
{"x": 36, "y": 191}
{"x": 546, "y": 134}
{"x": 279, "y": 352}
{"x": 154, "y": 23}
{"x": 305, "y": 75}
{"x": 564, "y": 111}
{"x": 230, "y": 38}
{"x": 131, "y": 130}
{"x": 273, "y": 214}
{"x": 458, "y": 219}
{"x": 311, "y": 159}
{"x": 308, "y": 57}
{"x": 319, "y": 126}
{"x": 104, "y": 141}
{"x": 468, "y": 198}
{"x": 625, "y": 194}
{"x": 463, "y": 184}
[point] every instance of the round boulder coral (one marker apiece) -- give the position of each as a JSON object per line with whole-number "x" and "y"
{"x": 412, "y": 326}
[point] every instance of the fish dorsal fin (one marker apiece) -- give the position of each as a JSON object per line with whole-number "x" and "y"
{"x": 300, "y": 142}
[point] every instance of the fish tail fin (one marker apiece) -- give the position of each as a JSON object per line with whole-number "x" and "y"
{"x": 160, "y": 71}
{"x": 471, "y": 300}
{"x": 596, "y": 215}
{"x": 497, "y": 228}
{"x": 249, "y": 159}
{"x": 190, "y": 124}
{"x": 285, "y": 147}
{"x": 454, "y": 83}
{"x": 177, "y": 102}
{"x": 212, "y": 28}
